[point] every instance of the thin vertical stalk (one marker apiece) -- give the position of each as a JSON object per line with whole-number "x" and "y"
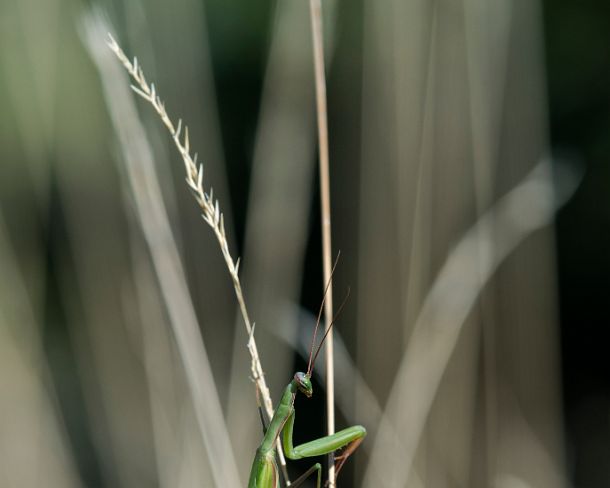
{"x": 320, "y": 81}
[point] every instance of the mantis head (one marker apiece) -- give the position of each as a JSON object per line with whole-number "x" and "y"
{"x": 303, "y": 382}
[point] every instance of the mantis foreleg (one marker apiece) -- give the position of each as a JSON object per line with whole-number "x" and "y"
{"x": 349, "y": 438}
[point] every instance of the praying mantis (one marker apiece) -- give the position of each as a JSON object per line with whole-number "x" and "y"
{"x": 264, "y": 472}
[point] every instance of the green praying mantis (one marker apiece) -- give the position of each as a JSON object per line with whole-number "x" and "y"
{"x": 264, "y": 472}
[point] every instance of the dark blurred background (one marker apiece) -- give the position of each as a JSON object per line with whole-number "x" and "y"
{"x": 474, "y": 338}
{"x": 577, "y": 64}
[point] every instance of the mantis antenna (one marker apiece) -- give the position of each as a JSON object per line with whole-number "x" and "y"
{"x": 315, "y": 331}
{"x": 310, "y": 368}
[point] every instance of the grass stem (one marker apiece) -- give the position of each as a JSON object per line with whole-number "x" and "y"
{"x": 322, "y": 117}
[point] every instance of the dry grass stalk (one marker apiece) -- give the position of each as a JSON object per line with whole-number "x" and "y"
{"x": 210, "y": 210}
{"x": 320, "y": 79}
{"x": 152, "y": 215}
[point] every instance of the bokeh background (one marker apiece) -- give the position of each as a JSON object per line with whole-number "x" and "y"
{"x": 470, "y": 156}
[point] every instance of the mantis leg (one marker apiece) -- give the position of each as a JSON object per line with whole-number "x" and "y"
{"x": 299, "y": 481}
{"x": 264, "y": 422}
{"x": 350, "y": 438}
{"x": 349, "y": 450}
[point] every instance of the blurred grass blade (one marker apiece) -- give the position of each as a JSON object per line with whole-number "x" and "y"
{"x": 34, "y": 450}
{"x": 468, "y": 268}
